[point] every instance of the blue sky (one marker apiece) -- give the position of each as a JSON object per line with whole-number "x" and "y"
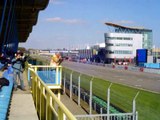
{"x": 77, "y": 23}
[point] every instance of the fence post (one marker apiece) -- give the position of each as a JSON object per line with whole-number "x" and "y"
{"x": 90, "y": 99}
{"x": 70, "y": 95}
{"x": 101, "y": 111}
{"x": 79, "y": 89}
{"x": 134, "y": 107}
{"x": 136, "y": 115}
{"x": 108, "y": 101}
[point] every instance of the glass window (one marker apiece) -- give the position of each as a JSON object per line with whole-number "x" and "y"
{"x": 119, "y": 38}
{"x": 122, "y": 52}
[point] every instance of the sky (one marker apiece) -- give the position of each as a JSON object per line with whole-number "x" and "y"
{"x": 78, "y": 23}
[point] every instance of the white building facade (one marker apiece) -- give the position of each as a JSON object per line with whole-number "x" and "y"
{"x": 121, "y": 45}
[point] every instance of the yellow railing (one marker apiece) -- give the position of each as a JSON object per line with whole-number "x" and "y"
{"x": 48, "y": 105}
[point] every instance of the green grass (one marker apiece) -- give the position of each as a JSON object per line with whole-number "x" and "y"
{"x": 147, "y": 103}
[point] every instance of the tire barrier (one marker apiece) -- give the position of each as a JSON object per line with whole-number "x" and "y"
{"x": 126, "y": 67}
{"x": 113, "y": 66}
{"x": 5, "y": 94}
{"x": 141, "y": 69}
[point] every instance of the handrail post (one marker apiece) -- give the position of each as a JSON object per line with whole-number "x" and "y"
{"x": 29, "y": 77}
{"x": 79, "y": 89}
{"x": 35, "y": 69}
{"x": 60, "y": 76}
{"x": 134, "y": 106}
{"x": 57, "y": 69}
{"x": 64, "y": 83}
{"x": 47, "y": 106}
{"x": 108, "y": 101}
{"x": 90, "y": 99}
{"x": 60, "y": 114}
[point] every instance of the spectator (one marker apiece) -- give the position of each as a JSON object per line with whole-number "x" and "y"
{"x": 56, "y": 60}
{"x": 17, "y": 63}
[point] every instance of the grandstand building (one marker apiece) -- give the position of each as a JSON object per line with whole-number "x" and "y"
{"x": 122, "y": 43}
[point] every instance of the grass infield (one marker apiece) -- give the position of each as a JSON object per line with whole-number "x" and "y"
{"x": 147, "y": 103}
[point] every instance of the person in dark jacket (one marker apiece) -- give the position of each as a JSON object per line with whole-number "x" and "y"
{"x": 18, "y": 71}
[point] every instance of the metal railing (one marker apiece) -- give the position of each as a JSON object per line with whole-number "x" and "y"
{"x": 73, "y": 82}
{"x": 119, "y": 116}
{"x": 48, "y": 105}
{"x": 47, "y": 72}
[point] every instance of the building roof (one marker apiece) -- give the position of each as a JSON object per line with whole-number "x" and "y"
{"x": 124, "y": 27}
{"x": 26, "y": 14}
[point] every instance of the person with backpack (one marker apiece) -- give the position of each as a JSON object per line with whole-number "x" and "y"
{"x": 17, "y": 64}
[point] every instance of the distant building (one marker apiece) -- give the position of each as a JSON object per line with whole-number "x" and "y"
{"x": 33, "y": 51}
{"x": 122, "y": 43}
{"x": 94, "y": 53}
{"x": 156, "y": 55}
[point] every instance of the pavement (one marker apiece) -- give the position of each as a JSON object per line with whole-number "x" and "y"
{"x": 22, "y": 104}
{"x": 72, "y": 106}
{"x": 140, "y": 80}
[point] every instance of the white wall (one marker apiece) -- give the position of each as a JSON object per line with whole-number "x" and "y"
{"x": 136, "y": 44}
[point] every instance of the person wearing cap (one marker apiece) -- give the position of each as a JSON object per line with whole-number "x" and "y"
{"x": 18, "y": 71}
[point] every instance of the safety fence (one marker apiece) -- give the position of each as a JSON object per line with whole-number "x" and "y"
{"x": 120, "y": 116}
{"x": 81, "y": 88}
{"x": 48, "y": 105}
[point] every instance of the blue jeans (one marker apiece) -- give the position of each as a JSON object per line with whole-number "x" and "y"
{"x": 18, "y": 75}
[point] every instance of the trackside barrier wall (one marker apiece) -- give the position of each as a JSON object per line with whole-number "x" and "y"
{"x": 48, "y": 105}
{"x": 137, "y": 69}
{"x": 152, "y": 65}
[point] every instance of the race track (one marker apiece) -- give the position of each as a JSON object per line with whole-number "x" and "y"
{"x": 147, "y": 81}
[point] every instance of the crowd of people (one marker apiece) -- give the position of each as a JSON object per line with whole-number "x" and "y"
{"x": 18, "y": 63}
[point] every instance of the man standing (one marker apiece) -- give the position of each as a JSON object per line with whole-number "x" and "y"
{"x": 18, "y": 71}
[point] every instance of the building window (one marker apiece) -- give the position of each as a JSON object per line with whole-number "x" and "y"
{"x": 109, "y": 44}
{"x": 109, "y": 52}
{"x": 119, "y": 38}
{"x": 123, "y": 44}
{"x": 122, "y": 52}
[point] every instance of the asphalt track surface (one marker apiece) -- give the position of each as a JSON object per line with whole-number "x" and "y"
{"x": 141, "y": 80}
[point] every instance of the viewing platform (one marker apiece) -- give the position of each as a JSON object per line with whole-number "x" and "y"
{"x": 47, "y": 97}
